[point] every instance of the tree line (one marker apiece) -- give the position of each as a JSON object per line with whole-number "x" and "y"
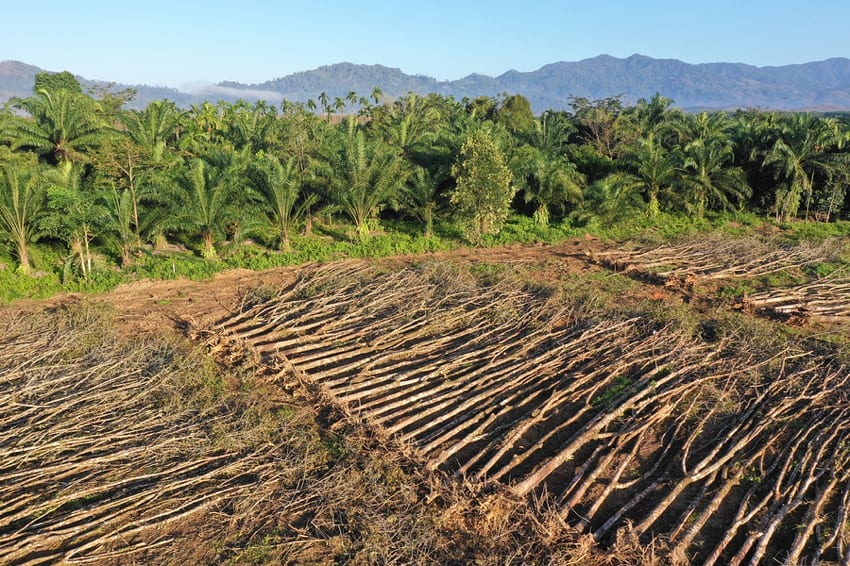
{"x": 80, "y": 173}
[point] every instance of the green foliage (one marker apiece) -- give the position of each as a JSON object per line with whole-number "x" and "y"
{"x": 52, "y": 82}
{"x": 361, "y": 177}
{"x": 611, "y": 200}
{"x": 62, "y": 125}
{"x": 75, "y": 214}
{"x": 816, "y": 231}
{"x": 620, "y": 385}
{"x": 174, "y": 267}
{"x": 482, "y": 197}
{"x": 91, "y": 185}
{"x": 524, "y": 230}
{"x": 205, "y": 204}
{"x": 280, "y": 197}
{"x": 22, "y": 195}
{"x": 548, "y": 181}
{"x": 15, "y": 286}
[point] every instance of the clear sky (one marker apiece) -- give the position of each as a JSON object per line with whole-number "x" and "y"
{"x": 180, "y": 42}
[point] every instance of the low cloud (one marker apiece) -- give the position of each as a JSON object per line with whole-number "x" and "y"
{"x": 250, "y": 94}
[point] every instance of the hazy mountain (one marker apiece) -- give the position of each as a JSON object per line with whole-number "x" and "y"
{"x": 822, "y": 85}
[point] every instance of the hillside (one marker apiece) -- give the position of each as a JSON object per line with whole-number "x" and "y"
{"x": 821, "y": 85}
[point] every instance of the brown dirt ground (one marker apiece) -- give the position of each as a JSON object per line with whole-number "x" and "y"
{"x": 150, "y": 306}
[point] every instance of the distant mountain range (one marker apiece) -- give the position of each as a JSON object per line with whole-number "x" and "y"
{"x": 821, "y": 85}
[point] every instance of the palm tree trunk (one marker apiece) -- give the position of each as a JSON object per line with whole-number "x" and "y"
{"x": 429, "y": 220}
{"x": 23, "y": 257}
{"x": 209, "y": 246}
{"x": 78, "y": 251}
{"x": 87, "y": 249}
{"x": 284, "y": 237}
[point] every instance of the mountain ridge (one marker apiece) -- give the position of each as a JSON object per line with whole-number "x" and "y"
{"x": 817, "y": 85}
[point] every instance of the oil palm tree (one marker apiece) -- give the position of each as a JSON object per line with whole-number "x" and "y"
{"x": 61, "y": 126}
{"x": 548, "y": 181}
{"x": 657, "y": 171}
{"x": 798, "y": 156}
{"x": 22, "y": 192}
{"x": 710, "y": 178}
{"x": 420, "y": 196}
{"x": 204, "y": 204}
{"x": 279, "y": 186}
{"x": 361, "y": 176}
{"x": 610, "y": 200}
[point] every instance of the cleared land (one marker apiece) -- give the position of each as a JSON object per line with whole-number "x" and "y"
{"x": 568, "y": 404}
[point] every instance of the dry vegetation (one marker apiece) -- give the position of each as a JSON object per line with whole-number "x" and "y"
{"x": 115, "y": 451}
{"x": 444, "y": 412}
{"x": 616, "y": 420}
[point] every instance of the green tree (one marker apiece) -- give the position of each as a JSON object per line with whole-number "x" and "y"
{"x": 710, "y": 179}
{"x": 52, "y": 82}
{"x": 600, "y": 124}
{"x": 22, "y": 192}
{"x": 61, "y": 125}
{"x": 419, "y": 197}
{"x": 120, "y": 231}
{"x": 248, "y": 126}
{"x": 280, "y": 188}
{"x": 411, "y": 124}
{"x": 360, "y": 176}
{"x": 656, "y": 171}
{"x": 515, "y": 115}
{"x": 483, "y": 194}
{"x": 204, "y": 195}
{"x": 549, "y": 182}
{"x": 797, "y": 157}
{"x": 75, "y": 214}
{"x": 611, "y": 200}
{"x": 134, "y": 159}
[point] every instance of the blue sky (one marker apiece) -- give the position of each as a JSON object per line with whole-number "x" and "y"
{"x": 180, "y": 42}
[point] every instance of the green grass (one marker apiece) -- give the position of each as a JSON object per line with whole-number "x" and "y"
{"x": 335, "y": 240}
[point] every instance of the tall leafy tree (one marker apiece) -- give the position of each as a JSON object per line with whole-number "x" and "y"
{"x": 484, "y": 191}
{"x": 515, "y": 115}
{"x": 600, "y": 124}
{"x": 22, "y": 192}
{"x": 75, "y": 213}
{"x": 51, "y": 82}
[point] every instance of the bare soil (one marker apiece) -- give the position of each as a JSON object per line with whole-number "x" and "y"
{"x": 153, "y": 306}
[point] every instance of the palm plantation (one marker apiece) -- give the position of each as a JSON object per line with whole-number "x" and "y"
{"x": 103, "y": 185}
